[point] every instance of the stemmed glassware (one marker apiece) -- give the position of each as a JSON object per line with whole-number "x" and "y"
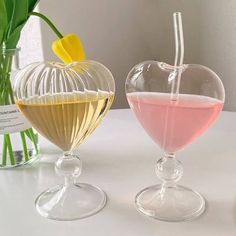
{"x": 65, "y": 104}
{"x": 175, "y": 105}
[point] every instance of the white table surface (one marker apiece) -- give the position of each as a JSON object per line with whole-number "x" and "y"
{"x": 119, "y": 157}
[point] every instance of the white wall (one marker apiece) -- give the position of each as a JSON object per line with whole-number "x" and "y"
{"x": 121, "y": 33}
{"x": 218, "y": 44}
{"x": 31, "y": 42}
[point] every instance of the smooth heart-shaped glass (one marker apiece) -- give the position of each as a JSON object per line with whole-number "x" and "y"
{"x": 173, "y": 120}
{"x": 65, "y": 104}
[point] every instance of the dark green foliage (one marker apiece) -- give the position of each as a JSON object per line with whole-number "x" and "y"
{"x": 13, "y": 16}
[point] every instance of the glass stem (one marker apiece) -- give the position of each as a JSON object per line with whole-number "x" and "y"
{"x": 169, "y": 170}
{"x": 69, "y": 166}
{"x": 69, "y": 181}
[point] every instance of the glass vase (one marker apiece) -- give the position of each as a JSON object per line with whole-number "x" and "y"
{"x": 18, "y": 141}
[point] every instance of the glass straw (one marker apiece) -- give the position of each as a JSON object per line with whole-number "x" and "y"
{"x": 179, "y": 55}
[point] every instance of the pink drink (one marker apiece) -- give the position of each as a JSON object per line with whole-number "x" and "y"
{"x": 173, "y": 125}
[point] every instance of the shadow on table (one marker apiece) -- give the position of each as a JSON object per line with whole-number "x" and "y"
{"x": 212, "y": 222}
{"x": 218, "y": 217}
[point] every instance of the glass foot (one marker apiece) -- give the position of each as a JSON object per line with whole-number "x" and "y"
{"x": 73, "y": 202}
{"x": 170, "y": 203}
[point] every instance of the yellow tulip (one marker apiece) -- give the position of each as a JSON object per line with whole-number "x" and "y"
{"x": 69, "y": 48}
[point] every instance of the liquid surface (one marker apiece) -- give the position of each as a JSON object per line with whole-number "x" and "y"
{"x": 66, "y": 120}
{"x": 173, "y": 125}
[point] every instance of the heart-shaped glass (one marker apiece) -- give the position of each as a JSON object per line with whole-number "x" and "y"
{"x": 175, "y": 105}
{"x": 173, "y": 121}
{"x": 65, "y": 104}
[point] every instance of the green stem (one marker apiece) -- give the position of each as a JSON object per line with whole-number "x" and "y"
{"x": 4, "y": 151}
{"x": 33, "y": 138}
{"x": 22, "y": 135}
{"x": 6, "y": 98}
{"x": 7, "y": 89}
{"x": 50, "y": 24}
{"x": 10, "y": 151}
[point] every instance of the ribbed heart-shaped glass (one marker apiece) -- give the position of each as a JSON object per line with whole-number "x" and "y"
{"x": 173, "y": 120}
{"x": 65, "y": 104}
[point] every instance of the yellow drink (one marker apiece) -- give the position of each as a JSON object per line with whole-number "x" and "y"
{"x": 66, "y": 120}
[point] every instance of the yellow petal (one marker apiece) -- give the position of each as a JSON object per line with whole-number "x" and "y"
{"x": 69, "y": 48}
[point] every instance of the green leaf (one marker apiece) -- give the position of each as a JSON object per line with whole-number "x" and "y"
{"x": 9, "y": 9}
{"x": 32, "y": 4}
{"x": 12, "y": 41}
{"x": 20, "y": 13}
{"x": 3, "y": 20}
{"x": 16, "y": 15}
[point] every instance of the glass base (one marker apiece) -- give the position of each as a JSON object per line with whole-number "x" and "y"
{"x": 171, "y": 203}
{"x": 73, "y": 202}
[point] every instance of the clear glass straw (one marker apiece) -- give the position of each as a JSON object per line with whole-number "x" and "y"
{"x": 179, "y": 55}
